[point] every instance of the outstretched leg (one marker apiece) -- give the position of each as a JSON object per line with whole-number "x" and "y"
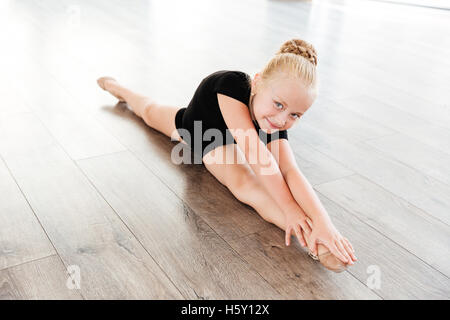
{"x": 228, "y": 164}
{"x": 159, "y": 117}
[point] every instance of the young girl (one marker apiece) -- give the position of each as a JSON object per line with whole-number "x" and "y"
{"x": 253, "y": 158}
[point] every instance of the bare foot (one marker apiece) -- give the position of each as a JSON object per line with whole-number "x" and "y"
{"x": 326, "y": 258}
{"x": 104, "y": 83}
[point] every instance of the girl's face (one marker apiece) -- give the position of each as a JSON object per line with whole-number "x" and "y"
{"x": 280, "y": 104}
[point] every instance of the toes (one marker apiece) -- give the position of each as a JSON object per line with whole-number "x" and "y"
{"x": 102, "y": 81}
{"x": 330, "y": 262}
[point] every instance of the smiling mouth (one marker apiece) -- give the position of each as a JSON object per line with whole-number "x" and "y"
{"x": 272, "y": 125}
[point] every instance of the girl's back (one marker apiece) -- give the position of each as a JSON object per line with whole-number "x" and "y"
{"x": 204, "y": 107}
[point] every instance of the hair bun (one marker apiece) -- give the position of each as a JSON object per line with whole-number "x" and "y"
{"x": 300, "y": 47}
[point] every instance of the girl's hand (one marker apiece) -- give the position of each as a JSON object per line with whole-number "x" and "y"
{"x": 325, "y": 233}
{"x": 296, "y": 221}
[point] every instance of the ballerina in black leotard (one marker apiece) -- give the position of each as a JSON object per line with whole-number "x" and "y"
{"x": 243, "y": 119}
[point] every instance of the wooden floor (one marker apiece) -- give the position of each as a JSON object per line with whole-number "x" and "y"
{"x": 87, "y": 186}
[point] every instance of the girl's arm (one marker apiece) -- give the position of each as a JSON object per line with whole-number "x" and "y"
{"x": 299, "y": 186}
{"x": 262, "y": 162}
{"x": 306, "y": 197}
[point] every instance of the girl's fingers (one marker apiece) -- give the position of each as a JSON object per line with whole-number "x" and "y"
{"x": 305, "y": 226}
{"x": 344, "y": 252}
{"x": 349, "y": 249}
{"x": 288, "y": 235}
{"x": 350, "y": 245}
{"x": 312, "y": 246}
{"x": 308, "y": 220}
{"x": 315, "y": 251}
{"x": 300, "y": 237}
{"x": 334, "y": 250}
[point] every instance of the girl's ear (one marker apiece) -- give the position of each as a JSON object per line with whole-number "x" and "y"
{"x": 255, "y": 81}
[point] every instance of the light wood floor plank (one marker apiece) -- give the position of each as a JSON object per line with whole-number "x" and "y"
{"x": 431, "y": 161}
{"x": 80, "y": 134}
{"x": 336, "y": 121}
{"x": 426, "y": 193}
{"x": 83, "y": 228}
{"x": 402, "y": 274}
{"x": 199, "y": 262}
{"x": 434, "y": 113}
{"x": 10, "y": 102}
{"x": 21, "y": 237}
{"x": 42, "y": 279}
{"x": 395, "y": 218}
{"x": 300, "y": 277}
{"x": 400, "y": 121}
{"x": 317, "y": 167}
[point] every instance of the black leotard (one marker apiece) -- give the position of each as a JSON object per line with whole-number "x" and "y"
{"x": 204, "y": 107}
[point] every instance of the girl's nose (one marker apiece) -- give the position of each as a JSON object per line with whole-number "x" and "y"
{"x": 279, "y": 122}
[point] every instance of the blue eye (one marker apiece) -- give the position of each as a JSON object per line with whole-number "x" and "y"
{"x": 294, "y": 115}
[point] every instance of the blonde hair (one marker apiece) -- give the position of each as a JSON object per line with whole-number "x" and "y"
{"x": 296, "y": 58}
